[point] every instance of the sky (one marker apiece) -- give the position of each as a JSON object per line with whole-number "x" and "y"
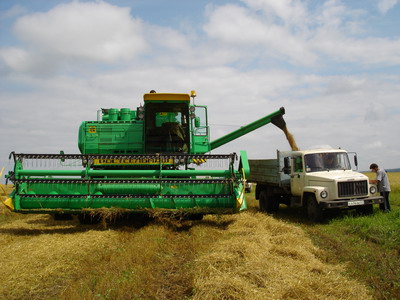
{"x": 333, "y": 65}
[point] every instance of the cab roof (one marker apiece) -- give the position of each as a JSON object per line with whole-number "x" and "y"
{"x": 166, "y": 97}
{"x": 320, "y": 150}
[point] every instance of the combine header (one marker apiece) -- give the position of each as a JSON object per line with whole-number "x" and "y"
{"x": 151, "y": 158}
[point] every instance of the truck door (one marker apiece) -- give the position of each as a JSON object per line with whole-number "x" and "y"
{"x": 297, "y": 176}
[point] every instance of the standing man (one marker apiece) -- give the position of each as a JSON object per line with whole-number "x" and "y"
{"x": 382, "y": 181}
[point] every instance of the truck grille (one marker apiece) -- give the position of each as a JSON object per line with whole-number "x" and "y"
{"x": 353, "y": 188}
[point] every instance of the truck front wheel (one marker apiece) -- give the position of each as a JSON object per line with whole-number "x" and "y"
{"x": 314, "y": 211}
{"x": 365, "y": 210}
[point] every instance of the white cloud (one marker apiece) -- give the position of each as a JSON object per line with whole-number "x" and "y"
{"x": 346, "y": 85}
{"x": 375, "y": 112}
{"x": 256, "y": 32}
{"x": 374, "y": 145}
{"x": 368, "y": 51}
{"x": 14, "y": 11}
{"x": 242, "y": 27}
{"x": 290, "y": 31}
{"x": 76, "y": 32}
{"x": 385, "y": 5}
{"x": 291, "y": 12}
{"x": 15, "y": 58}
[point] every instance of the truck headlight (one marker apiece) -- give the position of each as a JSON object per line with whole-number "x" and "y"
{"x": 372, "y": 189}
{"x": 324, "y": 194}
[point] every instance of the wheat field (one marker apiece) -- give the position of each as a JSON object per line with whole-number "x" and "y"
{"x": 245, "y": 256}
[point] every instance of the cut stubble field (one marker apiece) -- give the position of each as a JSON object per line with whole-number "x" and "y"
{"x": 245, "y": 256}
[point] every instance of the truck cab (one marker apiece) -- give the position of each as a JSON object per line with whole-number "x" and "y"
{"x": 327, "y": 174}
{"x": 314, "y": 179}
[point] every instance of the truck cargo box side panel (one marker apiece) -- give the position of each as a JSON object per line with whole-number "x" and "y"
{"x": 264, "y": 171}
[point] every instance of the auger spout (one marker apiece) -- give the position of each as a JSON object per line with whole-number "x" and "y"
{"x": 274, "y": 118}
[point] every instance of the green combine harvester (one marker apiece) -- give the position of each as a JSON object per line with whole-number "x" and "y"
{"x": 144, "y": 160}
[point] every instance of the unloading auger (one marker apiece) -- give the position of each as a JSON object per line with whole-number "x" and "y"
{"x": 151, "y": 158}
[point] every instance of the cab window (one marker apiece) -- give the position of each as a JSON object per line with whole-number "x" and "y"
{"x": 298, "y": 164}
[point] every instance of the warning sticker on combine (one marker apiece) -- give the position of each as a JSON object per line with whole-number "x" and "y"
{"x": 92, "y": 129}
{"x": 199, "y": 161}
{"x": 136, "y": 161}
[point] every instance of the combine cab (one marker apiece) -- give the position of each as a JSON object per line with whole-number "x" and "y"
{"x": 149, "y": 159}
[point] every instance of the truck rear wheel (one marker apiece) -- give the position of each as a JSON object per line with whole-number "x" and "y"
{"x": 314, "y": 211}
{"x": 268, "y": 204}
{"x": 274, "y": 203}
{"x": 263, "y": 201}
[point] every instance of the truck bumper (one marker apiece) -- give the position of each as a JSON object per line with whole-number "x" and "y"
{"x": 350, "y": 203}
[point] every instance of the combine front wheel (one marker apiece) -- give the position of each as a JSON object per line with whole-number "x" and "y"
{"x": 89, "y": 219}
{"x": 62, "y": 217}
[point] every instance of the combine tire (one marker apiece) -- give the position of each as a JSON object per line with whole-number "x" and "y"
{"x": 314, "y": 211}
{"x": 62, "y": 217}
{"x": 195, "y": 217}
{"x": 89, "y": 219}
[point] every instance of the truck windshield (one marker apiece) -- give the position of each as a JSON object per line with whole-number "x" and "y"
{"x": 317, "y": 162}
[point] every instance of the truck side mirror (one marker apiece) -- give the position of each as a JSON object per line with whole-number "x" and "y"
{"x": 286, "y": 165}
{"x": 355, "y": 161}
